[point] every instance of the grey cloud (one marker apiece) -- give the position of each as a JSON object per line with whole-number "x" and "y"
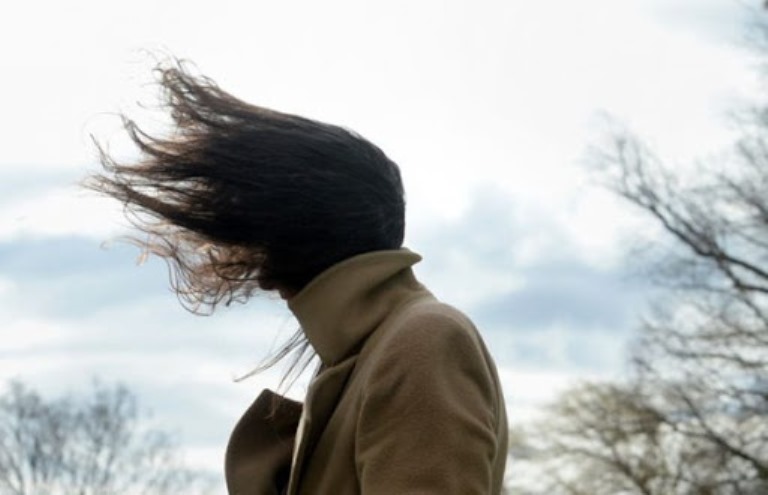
{"x": 18, "y": 181}
{"x": 104, "y": 303}
{"x": 715, "y": 20}
{"x": 597, "y": 310}
{"x": 74, "y": 277}
{"x": 563, "y": 289}
{"x": 569, "y": 293}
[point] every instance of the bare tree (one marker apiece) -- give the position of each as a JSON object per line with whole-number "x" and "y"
{"x": 617, "y": 439}
{"x": 95, "y": 445}
{"x": 705, "y": 350}
{"x": 694, "y": 417}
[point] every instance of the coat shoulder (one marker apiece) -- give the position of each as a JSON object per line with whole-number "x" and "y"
{"x": 428, "y": 389}
{"x": 429, "y": 323}
{"x": 424, "y": 338}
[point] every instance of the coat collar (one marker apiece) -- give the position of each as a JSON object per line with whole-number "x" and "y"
{"x": 338, "y": 310}
{"x": 340, "y": 307}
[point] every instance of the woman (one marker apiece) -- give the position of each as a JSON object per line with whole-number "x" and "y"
{"x": 241, "y": 199}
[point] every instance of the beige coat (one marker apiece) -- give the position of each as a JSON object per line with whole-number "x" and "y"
{"x": 407, "y": 400}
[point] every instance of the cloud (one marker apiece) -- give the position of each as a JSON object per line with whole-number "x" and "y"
{"x": 566, "y": 293}
{"x": 719, "y": 22}
{"x": 527, "y": 390}
{"x": 533, "y": 286}
{"x": 68, "y": 301}
{"x": 73, "y": 277}
{"x": 31, "y": 210}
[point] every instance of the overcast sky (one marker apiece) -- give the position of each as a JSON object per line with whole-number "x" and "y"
{"x": 488, "y": 107}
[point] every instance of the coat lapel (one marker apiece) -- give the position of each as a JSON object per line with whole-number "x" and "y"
{"x": 258, "y": 457}
{"x": 323, "y": 395}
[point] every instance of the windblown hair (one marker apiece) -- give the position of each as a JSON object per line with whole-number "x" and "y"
{"x": 239, "y": 198}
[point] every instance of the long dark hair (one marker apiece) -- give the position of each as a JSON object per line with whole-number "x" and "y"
{"x": 239, "y": 198}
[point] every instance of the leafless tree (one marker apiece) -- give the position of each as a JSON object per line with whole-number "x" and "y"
{"x": 694, "y": 417}
{"x": 705, "y": 349}
{"x": 99, "y": 444}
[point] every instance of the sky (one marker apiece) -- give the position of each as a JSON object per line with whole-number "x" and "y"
{"x": 489, "y": 108}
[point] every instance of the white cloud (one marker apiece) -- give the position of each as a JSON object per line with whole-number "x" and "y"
{"x": 60, "y": 211}
{"x": 205, "y": 458}
{"x": 7, "y": 286}
{"x": 526, "y": 391}
{"x": 25, "y": 333}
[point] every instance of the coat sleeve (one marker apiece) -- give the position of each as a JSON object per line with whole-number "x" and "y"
{"x": 428, "y": 419}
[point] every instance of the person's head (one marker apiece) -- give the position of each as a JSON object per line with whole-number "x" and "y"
{"x": 240, "y": 198}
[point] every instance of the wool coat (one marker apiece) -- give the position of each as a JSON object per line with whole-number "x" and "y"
{"x": 407, "y": 399}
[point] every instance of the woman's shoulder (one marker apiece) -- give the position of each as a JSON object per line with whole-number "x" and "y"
{"x": 429, "y": 318}
{"x": 426, "y": 330}
{"x": 429, "y": 347}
